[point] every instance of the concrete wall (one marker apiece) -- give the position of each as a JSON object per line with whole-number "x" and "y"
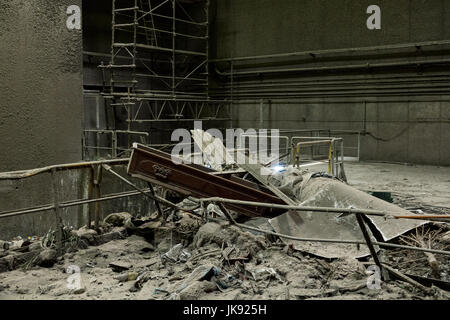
{"x": 73, "y": 185}
{"x": 256, "y": 27}
{"x": 399, "y": 130}
{"x": 41, "y": 75}
{"x": 41, "y": 103}
{"x": 405, "y": 122}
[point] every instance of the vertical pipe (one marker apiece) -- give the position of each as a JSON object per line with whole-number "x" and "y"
{"x": 359, "y": 144}
{"x": 158, "y": 207}
{"x": 173, "y": 46}
{"x": 261, "y": 114}
{"x": 114, "y": 143}
{"x": 97, "y": 150}
{"x": 231, "y": 92}
{"x": 90, "y": 196}
{"x": 57, "y": 210}
{"x": 373, "y": 252}
{"x": 207, "y": 47}
{"x": 113, "y": 24}
{"x": 365, "y": 117}
{"x": 98, "y": 195}
{"x": 330, "y": 157}
{"x": 83, "y": 145}
{"x": 134, "y": 84}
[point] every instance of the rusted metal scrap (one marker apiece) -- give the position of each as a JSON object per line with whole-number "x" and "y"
{"x": 192, "y": 180}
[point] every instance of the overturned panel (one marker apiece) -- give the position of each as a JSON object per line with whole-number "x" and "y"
{"x": 192, "y": 180}
{"x": 318, "y": 225}
{"x": 306, "y": 189}
{"x": 326, "y": 192}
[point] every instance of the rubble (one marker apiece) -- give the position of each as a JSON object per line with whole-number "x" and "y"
{"x": 446, "y": 238}
{"x": 219, "y": 235}
{"x": 177, "y": 253}
{"x": 226, "y": 263}
{"x": 118, "y": 219}
{"x": 119, "y": 266}
{"x": 197, "y": 249}
{"x": 47, "y": 258}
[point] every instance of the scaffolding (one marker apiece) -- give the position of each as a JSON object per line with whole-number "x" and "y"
{"x": 159, "y": 68}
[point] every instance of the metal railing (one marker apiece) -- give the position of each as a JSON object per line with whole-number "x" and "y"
{"x": 334, "y": 154}
{"x": 94, "y": 192}
{"x": 115, "y": 149}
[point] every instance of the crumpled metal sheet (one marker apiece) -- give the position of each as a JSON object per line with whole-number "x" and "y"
{"x": 333, "y": 193}
{"x": 317, "y": 225}
{"x": 323, "y": 192}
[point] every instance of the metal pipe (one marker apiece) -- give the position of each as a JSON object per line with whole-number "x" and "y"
{"x": 68, "y": 204}
{"x": 332, "y": 68}
{"x": 156, "y": 198}
{"x": 381, "y": 244}
{"x": 341, "y": 80}
{"x": 256, "y": 89}
{"x": 337, "y": 94}
{"x": 349, "y": 99}
{"x": 373, "y": 252}
{"x": 368, "y": 212}
{"x": 15, "y": 175}
{"x": 313, "y": 53}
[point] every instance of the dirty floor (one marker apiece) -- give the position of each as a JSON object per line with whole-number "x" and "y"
{"x": 225, "y": 262}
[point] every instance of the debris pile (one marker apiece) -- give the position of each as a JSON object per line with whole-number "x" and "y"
{"x": 248, "y": 233}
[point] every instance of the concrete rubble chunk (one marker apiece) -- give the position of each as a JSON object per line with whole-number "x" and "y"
{"x": 47, "y": 258}
{"x": 35, "y": 246}
{"x": 79, "y": 290}
{"x": 120, "y": 266}
{"x": 86, "y": 234}
{"x": 118, "y": 219}
{"x": 446, "y": 238}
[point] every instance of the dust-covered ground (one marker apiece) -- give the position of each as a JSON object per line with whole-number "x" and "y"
{"x": 221, "y": 261}
{"x": 272, "y": 273}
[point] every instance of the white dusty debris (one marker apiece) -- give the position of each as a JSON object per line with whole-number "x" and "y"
{"x": 221, "y": 261}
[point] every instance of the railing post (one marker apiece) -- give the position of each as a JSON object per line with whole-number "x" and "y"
{"x": 330, "y": 158}
{"x": 373, "y": 252}
{"x": 57, "y": 209}
{"x": 114, "y": 144}
{"x": 97, "y": 182}
{"x": 90, "y": 196}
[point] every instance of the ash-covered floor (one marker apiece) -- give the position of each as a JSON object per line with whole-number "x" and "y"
{"x": 220, "y": 261}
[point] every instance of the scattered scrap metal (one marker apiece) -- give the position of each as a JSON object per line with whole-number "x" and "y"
{"x": 291, "y": 187}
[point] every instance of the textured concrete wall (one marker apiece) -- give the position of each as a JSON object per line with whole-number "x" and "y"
{"x": 41, "y": 76}
{"x": 73, "y": 185}
{"x": 255, "y": 27}
{"x": 411, "y": 125}
{"x": 40, "y": 107}
{"x": 413, "y": 130}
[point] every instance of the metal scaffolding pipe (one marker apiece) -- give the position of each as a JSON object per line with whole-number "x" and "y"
{"x": 313, "y": 53}
{"x": 333, "y": 68}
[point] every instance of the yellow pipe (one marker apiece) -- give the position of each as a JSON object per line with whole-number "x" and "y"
{"x": 330, "y": 154}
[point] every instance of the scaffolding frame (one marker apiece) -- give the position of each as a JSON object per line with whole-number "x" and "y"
{"x": 159, "y": 66}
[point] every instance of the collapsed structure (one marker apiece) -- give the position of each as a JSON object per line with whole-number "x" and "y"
{"x": 239, "y": 211}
